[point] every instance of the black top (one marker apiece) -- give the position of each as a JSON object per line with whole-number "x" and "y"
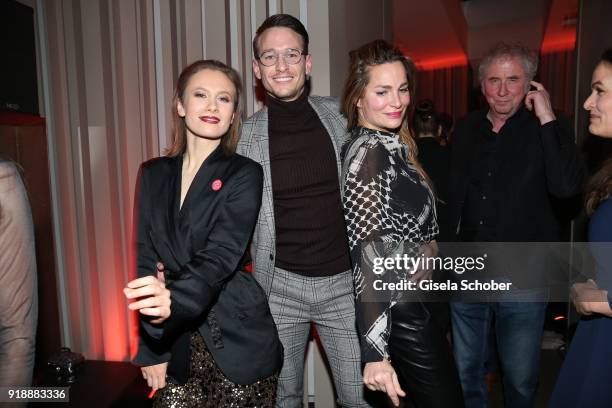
{"x": 531, "y": 163}
{"x": 435, "y": 160}
{"x": 310, "y": 231}
{"x": 385, "y": 201}
{"x": 481, "y": 202}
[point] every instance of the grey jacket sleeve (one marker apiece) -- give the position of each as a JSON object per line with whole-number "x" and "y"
{"x": 18, "y": 295}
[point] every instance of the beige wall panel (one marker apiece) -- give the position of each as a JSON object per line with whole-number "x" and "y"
{"x": 92, "y": 58}
{"x": 193, "y": 30}
{"x": 291, "y": 7}
{"x": 235, "y": 20}
{"x": 261, "y": 9}
{"x": 146, "y": 46}
{"x": 250, "y": 17}
{"x": 275, "y": 7}
{"x": 170, "y": 62}
{"x": 216, "y": 30}
{"x": 352, "y": 23}
{"x": 318, "y": 31}
{"x": 261, "y": 13}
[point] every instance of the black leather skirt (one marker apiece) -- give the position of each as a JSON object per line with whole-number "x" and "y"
{"x": 422, "y": 357}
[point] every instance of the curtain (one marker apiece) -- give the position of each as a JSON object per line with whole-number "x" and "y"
{"x": 447, "y": 88}
{"x": 557, "y": 72}
{"x": 109, "y": 68}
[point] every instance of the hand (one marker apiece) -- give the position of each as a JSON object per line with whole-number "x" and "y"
{"x": 380, "y": 376}
{"x": 589, "y": 299}
{"x": 155, "y": 375}
{"x": 538, "y": 101}
{"x": 428, "y": 250}
{"x": 156, "y": 298}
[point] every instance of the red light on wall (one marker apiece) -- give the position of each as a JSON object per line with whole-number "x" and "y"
{"x": 559, "y": 43}
{"x": 560, "y": 317}
{"x": 447, "y": 61}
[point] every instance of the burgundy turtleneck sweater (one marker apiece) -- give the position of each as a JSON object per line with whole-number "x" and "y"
{"x": 310, "y": 231}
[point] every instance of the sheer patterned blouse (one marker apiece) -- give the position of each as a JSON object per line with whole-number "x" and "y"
{"x": 389, "y": 210}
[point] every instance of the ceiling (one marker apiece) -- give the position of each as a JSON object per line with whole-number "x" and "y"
{"x": 438, "y": 33}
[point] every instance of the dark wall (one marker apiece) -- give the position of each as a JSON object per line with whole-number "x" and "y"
{"x": 18, "y": 88}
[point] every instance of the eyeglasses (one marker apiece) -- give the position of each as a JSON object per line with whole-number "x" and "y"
{"x": 290, "y": 56}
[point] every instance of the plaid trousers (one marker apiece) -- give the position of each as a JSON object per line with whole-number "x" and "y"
{"x": 328, "y": 302}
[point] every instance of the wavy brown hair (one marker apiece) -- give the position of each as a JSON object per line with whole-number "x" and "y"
{"x": 599, "y": 187}
{"x": 371, "y": 54}
{"x": 229, "y": 141}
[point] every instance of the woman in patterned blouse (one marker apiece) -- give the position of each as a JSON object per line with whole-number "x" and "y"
{"x": 390, "y": 211}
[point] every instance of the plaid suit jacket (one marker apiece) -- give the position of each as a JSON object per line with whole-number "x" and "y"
{"x": 254, "y": 144}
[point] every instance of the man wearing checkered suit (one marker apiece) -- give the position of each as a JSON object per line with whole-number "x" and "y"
{"x": 300, "y": 249}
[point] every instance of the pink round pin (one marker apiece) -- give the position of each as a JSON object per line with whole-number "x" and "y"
{"x": 216, "y": 185}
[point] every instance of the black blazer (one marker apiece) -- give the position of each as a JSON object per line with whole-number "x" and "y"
{"x": 536, "y": 163}
{"x": 204, "y": 249}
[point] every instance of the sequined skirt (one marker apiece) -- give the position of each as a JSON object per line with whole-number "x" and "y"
{"x": 207, "y": 386}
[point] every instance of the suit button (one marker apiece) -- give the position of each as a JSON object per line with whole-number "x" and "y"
{"x": 271, "y": 257}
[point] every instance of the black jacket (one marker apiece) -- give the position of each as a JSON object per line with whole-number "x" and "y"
{"x": 204, "y": 249}
{"x": 535, "y": 163}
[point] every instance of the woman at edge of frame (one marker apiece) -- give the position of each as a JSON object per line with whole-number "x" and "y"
{"x": 584, "y": 380}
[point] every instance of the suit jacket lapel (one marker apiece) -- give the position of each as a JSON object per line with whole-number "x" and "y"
{"x": 174, "y": 196}
{"x": 261, "y": 138}
{"x": 167, "y": 238}
{"x": 178, "y": 219}
{"x": 202, "y": 180}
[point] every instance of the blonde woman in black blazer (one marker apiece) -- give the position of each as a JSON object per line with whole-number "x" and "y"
{"x": 206, "y": 334}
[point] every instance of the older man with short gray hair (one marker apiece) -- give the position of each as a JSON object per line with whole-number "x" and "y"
{"x": 508, "y": 160}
